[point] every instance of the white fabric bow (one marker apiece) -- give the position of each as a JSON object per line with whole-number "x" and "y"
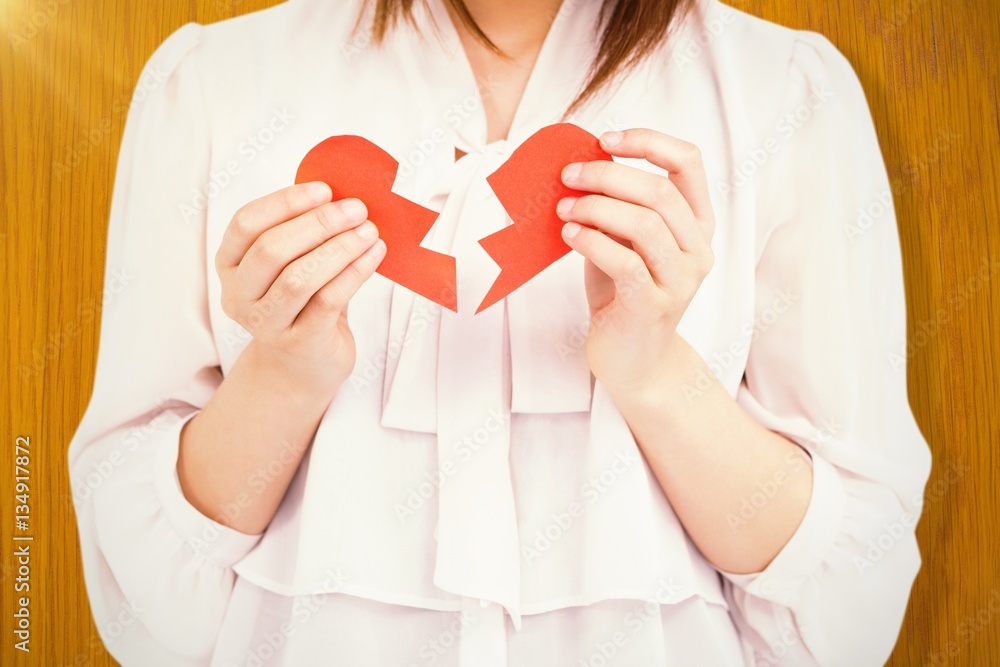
{"x": 447, "y": 376}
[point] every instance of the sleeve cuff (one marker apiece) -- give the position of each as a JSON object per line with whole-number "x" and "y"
{"x": 208, "y": 538}
{"x": 812, "y": 541}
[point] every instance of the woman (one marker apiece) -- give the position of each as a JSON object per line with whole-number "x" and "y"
{"x": 685, "y": 442}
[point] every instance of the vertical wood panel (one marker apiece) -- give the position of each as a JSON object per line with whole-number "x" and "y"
{"x": 931, "y": 73}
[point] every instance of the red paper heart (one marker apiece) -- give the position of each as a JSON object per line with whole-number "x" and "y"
{"x": 355, "y": 167}
{"x": 529, "y": 186}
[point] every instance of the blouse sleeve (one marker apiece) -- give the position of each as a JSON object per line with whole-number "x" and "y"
{"x": 827, "y": 369}
{"x": 158, "y": 573}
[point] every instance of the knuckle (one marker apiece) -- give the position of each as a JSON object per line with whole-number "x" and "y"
{"x": 294, "y": 284}
{"x": 329, "y": 298}
{"x": 691, "y": 154}
{"x": 267, "y": 252}
{"x": 636, "y": 226}
{"x": 656, "y": 256}
{"x": 353, "y": 273}
{"x": 341, "y": 247}
{"x": 633, "y": 268}
{"x": 664, "y": 192}
{"x": 242, "y": 221}
{"x": 255, "y": 318}
{"x": 289, "y": 201}
{"x": 707, "y": 261}
{"x": 228, "y": 304}
{"x": 328, "y": 218}
{"x": 587, "y": 206}
{"x": 673, "y": 302}
{"x": 336, "y": 251}
{"x": 648, "y": 224}
{"x": 266, "y": 336}
{"x": 685, "y": 297}
{"x": 600, "y": 170}
{"x": 710, "y": 227}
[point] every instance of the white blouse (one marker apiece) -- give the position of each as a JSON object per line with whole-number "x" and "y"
{"x": 471, "y": 498}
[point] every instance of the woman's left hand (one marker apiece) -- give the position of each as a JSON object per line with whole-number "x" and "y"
{"x": 647, "y": 241}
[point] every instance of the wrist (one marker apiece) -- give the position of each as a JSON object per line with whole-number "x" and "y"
{"x": 662, "y": 388}
{"x": 265, "y": 368}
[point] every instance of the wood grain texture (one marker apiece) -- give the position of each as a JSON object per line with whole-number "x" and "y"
{"x": 931, "y": 73}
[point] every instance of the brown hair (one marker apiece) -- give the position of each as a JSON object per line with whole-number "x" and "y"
{"x": 632, "y": 29}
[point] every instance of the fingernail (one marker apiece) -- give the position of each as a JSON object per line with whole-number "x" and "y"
{"x": 572, "y": 172}
{"x": 565, "y": 206}
{"x": 368, "y": 231}
{"x": 611, "y": 138}
{"x": 570, "y": 230}
{"x": 353, "y": 209}
{"x": 319, "y": 191}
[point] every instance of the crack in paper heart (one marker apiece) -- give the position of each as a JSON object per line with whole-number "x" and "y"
{"x": 528, "y": 185}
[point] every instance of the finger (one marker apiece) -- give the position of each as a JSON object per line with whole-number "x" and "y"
{"x": 301, "y": 279}
{"x": 623, "y": 266}
{"x": 680, "y": 158}
{"x": 253, "y": 219}
{"x": 640, "y": 226}
{"x": 278, "y": 246}
{"x": 640, "y": 187}
{"x": 332, "y": 299}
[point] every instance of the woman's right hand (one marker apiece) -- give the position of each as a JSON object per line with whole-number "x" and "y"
{"x": 289, "y": 263}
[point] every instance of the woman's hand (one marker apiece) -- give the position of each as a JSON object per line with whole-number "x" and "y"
{"x": 289, "y": 264}
{"x": 647, "y": 241}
